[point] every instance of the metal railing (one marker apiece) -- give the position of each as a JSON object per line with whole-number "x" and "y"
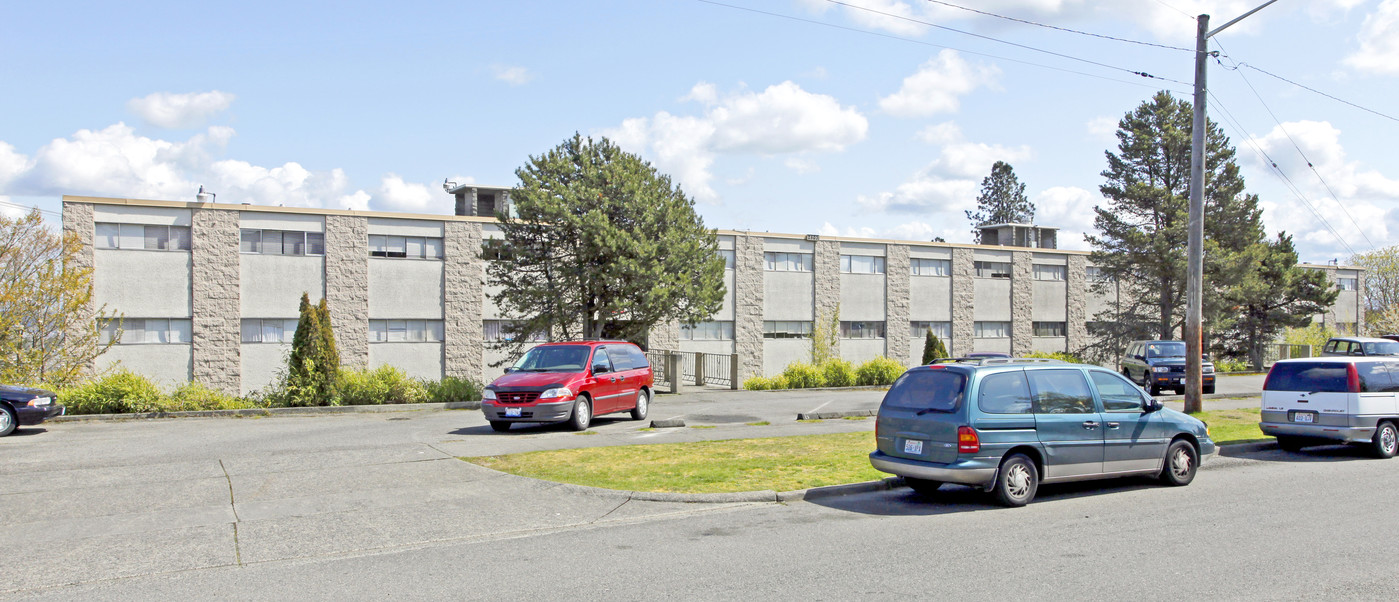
{"x": 693, "y": 368}
{"x": 1283, "y": 351}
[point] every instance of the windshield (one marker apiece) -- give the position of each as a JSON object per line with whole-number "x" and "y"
{"x": 936, "y": 390}
{"x": 1165, "y": 350}
{"x": 1387, "y": 348}
{"x": 554, "y": 358}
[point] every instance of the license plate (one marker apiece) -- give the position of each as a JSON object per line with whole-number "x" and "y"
{"x": 1303, "y": 417}
{"x": 913, "y": 446}
{"x": 512, "y": 412}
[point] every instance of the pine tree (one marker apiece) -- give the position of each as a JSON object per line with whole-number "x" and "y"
{"x": 933, "y": 348}
{"x": 1002, "y": 201}
{"x": 1276, "y": 294}
{"x": 329, "y": 364}
{"x": 303, "y": 371}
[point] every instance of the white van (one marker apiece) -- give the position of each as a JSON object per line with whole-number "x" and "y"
{"x": 1328, "y": 400}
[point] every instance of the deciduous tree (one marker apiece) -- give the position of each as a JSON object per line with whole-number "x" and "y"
{"x": 1381, "y": 288}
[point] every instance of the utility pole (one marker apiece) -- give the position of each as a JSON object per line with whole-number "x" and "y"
{"x": 1195, "y": 248}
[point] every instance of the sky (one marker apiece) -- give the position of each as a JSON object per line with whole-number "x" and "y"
{"x": 869, "y": 118}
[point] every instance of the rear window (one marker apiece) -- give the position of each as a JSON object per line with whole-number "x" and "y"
{"x": 1004, "y": 393}
{"x": 638, "y": 359}
{"x": 1314, "y": 377}
{"x": 937, "y": 390}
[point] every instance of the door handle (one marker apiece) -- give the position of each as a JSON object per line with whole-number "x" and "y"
{"x": 1113, "y": 425}
{"x": 1090, "y": 425}
{"x": 612, "y": 379}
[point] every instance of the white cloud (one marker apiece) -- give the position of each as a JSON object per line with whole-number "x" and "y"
{"x": 398, "y": 195}
{"x": 9, "y": 211}
{"x": 802, "y": 166}
{"x": 1070, "y": 209}
{"x": 179, "y": 111}
{"x": 827, "y": 229}
{"x": 968, "y": 159}
{"x": 782, "y": 119}
{"x": 511, "y": 74}
{"x": 357, "y": 201}
{"x": 949, "y": 184}
{"x": 1103, "y": 128}
{"x": 938, "y": 85}
{"x": 1379, "y": 42}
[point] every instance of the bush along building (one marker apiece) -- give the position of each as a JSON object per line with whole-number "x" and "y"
{"x": 210, "y": 291}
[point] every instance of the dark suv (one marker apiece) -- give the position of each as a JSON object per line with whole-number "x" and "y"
{"x": 1157, "y": 365}
{"x": 571, "y": 382}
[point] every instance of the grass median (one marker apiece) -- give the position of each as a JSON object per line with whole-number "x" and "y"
{"x": 773, "y": 463}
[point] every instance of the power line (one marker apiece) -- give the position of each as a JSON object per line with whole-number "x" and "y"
{"x": 932, "y": 45}
{"x": 1277, "y": 171}
{"x": 1187, "y": 15}
{"x": 1313, "y": 90}
{"x": 1303, "y": 154}
{"x": 1055, "y": 27}
{"x": 30, "y": 207}
{"x": 1009, "y": 43}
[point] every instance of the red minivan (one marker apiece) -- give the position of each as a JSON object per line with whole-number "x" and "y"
{"x": 571, "y": 382}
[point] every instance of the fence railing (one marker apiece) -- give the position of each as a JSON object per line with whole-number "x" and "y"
{"x": 1283, "y": 351}
{"x": 695, "y": 368}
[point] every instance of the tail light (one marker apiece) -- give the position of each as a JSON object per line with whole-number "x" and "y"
{"x": 968, "y": 441}
{"x": 1268, "y": 379}
{"x": 1352, "y": 379}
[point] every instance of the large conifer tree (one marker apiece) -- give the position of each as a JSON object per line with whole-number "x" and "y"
{"x": 1002, "y": 201}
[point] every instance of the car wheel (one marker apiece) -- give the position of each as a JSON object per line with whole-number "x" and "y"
{"x": 1208, "y": 389}
{"x": 8, "y": 421}
{"x": 643, "y": 405}
{"x": 1016, "y": 481}
{"x": 1385, "y": 442}
{"x": 499, "y": 426}
{"x": 1179, "y": 390}
{"x": 582, "y": 415}
{"x": 1181, "y": 462}
{"x": 1292, "y": 444}
{"x": 1153, "y": 389}
{"x": 922, "y": 486}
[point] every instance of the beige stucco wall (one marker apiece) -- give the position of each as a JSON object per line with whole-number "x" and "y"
{"x": 272, "y": 284}
{"x": 167, "y": 365}
{"x": 405, "y": 289}
{"x": 419, "y": 360}
{"x": 142, "y": 284}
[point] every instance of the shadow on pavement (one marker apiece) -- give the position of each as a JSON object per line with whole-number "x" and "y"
{"x": 25, "y": 431}
{"x": 956, "y": 499}
{"x": 1320, "y": 453}
{"x": 535, "y": 428}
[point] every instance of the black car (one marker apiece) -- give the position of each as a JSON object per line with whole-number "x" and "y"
{"x": 1157, "y": 365}
{"x": 25, "y": 406}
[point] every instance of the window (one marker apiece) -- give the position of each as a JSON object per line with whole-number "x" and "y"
{"x": 1117, "y": 394}
{"x": 992, "y": 269}
{"x": 861, "y": 330}
{"x": 931, "y": 267}
{"x": 1096, "y": 274}
{"x": 498, "y": 330}
{"x": 1049, "y": 329}
{"x": 992, "y": 330}
{"x": 728, "y": 256}
{"x": 708, "y": 331}
{"x": 861, "y": 264}
{"x": 1004, "y": 393}
{"x": 788, "y": 262}
{"x": 405, "y": 331}
{"x": 1050, "y": 272}
{"x": 919, "y": 330}
{"x": 268, "y": 330}
{"x": 141, "y": 236}
{"x": 1346, "y": 284}
{"x": 786, "y": 330}
{"x": 406, "y": 247}
{"x": 145, "y": 330}
{"x": 280, "y": 242}
{"x": 927, "y": 390}
{"x": 1060, "y": 392}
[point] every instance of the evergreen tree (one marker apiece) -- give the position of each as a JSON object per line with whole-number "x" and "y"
{"x": 1275, "y": 295}
{"x": 1002, "y": 201}
{"x": 312, "y": 367}
{"x": 603, "y": 246}
{"x": 933, "y": 348}
{"x": 329, "y": 366}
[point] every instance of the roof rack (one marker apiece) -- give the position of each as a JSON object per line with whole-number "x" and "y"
{"x": 992, "y": 361}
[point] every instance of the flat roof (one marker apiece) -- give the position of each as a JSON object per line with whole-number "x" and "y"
{"x": 462, "y": 187}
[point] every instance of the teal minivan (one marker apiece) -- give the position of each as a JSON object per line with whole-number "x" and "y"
{"x": 1006, "y": 425}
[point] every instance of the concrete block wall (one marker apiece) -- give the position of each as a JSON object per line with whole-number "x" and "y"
{"x": 748, "y": 304}
{"x": 463, "y": 299}
{"x": 897, "y": 302}
{"x": 347, "y": 286}
{"x": 215, "y": 300}
{"x": 1022, "y": 300}
{"x": 1076, "y": 326}
{"x": 826, "y": 268}
{"x": 963, "y": 302}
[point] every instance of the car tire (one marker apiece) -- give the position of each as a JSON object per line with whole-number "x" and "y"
{"x": 8, "y": 420}
{"x": 1179, "y": 390}
{"x": 922, "y": 486}
{"x": 1181, "y": 463}
{"x": 499, "y": 426}
{"x": 1153, "y": 389}
{"x": 1291, "y": 444}
{"x": 582, "y": 414}
{"x": 643, "y": 405}
{"x": 1016, "y": 481}
{"x": 1385, "y": 443}
{"x": 1208, "y": 389}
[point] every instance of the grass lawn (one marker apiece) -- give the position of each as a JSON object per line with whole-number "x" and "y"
{"x": 775, "y": 463}
{"x": 1233, "y": 426}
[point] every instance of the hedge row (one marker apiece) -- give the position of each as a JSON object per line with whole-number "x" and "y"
{"x": 831, "y": 373}
{"x": 125, "y": 392}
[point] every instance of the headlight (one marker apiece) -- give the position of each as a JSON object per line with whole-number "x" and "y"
{"x": 488, "y": 395}
{"x": 1160, "y": 368}
{"x": 556, "y": 392}
{"x": 40, "y": 401}
{"x": 1208, "y": 369}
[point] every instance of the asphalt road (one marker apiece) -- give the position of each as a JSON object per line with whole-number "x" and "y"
{"x": 377, "y": 505}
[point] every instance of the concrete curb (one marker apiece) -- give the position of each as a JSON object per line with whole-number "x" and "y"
{"x": 834, "y": 415}
{"x": 255, "y": 412}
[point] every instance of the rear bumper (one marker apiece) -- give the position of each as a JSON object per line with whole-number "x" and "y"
{"x": 1349, "y": 434}
{"x": 539, "y": 412}
{"x": 976, "y": 471}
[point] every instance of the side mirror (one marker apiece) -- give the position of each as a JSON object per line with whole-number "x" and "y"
{"x": 1152, "y": 405}
{"x": 1138, "y": 357}
{"x": 600, "y": 368}
{"x": 1204, "y": 356}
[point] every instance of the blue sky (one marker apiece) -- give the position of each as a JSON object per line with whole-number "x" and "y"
{"x": 799, "y": 116}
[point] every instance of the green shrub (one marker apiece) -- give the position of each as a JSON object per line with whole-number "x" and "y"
{"x": 195, "y": 395}
{"x": 1057, "y": 355}
{"x": 385, "y": 384}
{"x": 780, "y": 382}
{"x": 878, "y": 371}
{"x": 452, "y": 388}
{"x": 802, "y": 375}
{"x": 933, "y": 347}
{"x": 120, "y": 392}
{"x": 1230, "y": 366}
{"x": 838, "y": 373}
{"x": 757, "y": 383}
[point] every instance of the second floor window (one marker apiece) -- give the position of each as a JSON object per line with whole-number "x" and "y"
{"x": 708, "y": 331}
{"x": 728, "y": 256}
{"x": 930, "y": 267}
{"x": 281, "y": 242}
{"x": 405, "y": 247}
{"x": 1050, "y": 272}
{"x": 141, "y": 236}
{"x": 1347, "y": 284}
{"x": 861, "y": 264}
{"x": 135, "y": 331}
{"x": 992, "y": 269}
{"x": 788, "y": 262}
